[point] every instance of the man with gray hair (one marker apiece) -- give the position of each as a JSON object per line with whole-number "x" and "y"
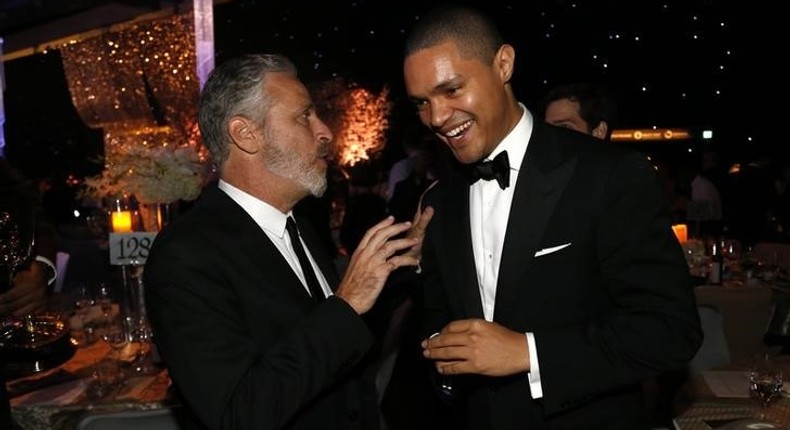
{"x": 249, "y": 315}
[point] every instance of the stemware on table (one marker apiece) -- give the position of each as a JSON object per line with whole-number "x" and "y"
{"x": 765, "y": 379}
{"x": 34, "y": 342}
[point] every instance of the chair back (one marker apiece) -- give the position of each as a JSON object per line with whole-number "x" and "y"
{"x": 778, "y": 332}
{"x": 153, "y": 419}
{"x": 715, "y": 351}
{"x": 746, "y": 311}
{"x": 771, "y": 253}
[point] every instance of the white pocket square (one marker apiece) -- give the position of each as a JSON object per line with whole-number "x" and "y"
{"x": 549, "y": 250}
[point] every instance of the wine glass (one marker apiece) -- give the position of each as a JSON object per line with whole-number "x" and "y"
{"x": 731, "y": 250}
{"x": 765, "y": 381}
{"x": 114, "y": 334}
{"x": 142, "y": 338}
{"x": 108, "y": 371}
{"x": 83, "y": 301}
{"x": 16, "y": 246}
{"x": 13, "y": 250}
{"x": 104, "y": 299}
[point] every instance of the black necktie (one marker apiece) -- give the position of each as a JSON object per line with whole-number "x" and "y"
{"x": 498, "y": 168}
{"x": 309, "y": 274}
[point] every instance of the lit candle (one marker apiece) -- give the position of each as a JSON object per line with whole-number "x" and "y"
{"x": 681, "y": 232}
{"x": 121, "y": 221}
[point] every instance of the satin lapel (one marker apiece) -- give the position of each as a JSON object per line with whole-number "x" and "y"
{"x": 457, "y": 237}
{"x": 538, "y": 190}
{"x": 253, "y": 244}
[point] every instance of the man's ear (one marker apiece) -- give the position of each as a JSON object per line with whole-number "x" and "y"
{"x": 601, "y": 130}
{"x": 505, "y": 59}
{"x": 244, "y": 134}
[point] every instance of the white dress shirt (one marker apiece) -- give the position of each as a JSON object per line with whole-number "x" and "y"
{"x": 272, "y": 222}
{"x": 489, "y": 210}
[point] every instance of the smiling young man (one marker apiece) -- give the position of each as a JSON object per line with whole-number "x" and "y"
{"x": 554, "y": 290}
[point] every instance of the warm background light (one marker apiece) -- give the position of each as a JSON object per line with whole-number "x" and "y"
{"x": 358, "y": 117}
{"x": 650, "y": 134}
{"x": 681, "y": 232}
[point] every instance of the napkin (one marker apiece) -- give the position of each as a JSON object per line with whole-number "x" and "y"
{"x": 93, "y": 316}
{"x": 61, "y": 394}
{"x": 725, "y": 383}
{"x": 22, "y": 386}
{"x": 134, "y": 387}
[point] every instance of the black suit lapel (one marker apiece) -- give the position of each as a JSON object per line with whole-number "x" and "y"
{"x": 542, "y": 178}
{"x": 457, "y": 243}
{"x": 254, "y": 245}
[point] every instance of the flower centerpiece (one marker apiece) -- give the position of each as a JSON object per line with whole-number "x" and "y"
{"x": 154, "y": 176}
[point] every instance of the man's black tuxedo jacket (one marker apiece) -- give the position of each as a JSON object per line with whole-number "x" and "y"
{"x": 245, "y": 344}
{"x": 612, "y": 307}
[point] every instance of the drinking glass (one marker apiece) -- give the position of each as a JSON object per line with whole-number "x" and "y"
{"x": 115, "y": 335}
{"x": 731, "y": 250}
{"x": 108, "y": 372}
{"x": 142, "y": 339}
{"x": 106, "y": 378}
{"x": 765, "y": 381}
{"x": 13, "y": 251}
{"x": 104, "y": 299}
{"x": 16, "y": 244}
{"x": 83, "y": 301}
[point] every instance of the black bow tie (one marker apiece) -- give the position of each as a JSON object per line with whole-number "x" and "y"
{"x": 498, "y": 168}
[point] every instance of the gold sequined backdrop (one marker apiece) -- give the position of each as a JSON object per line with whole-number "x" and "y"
{"x": 138, "y": 84}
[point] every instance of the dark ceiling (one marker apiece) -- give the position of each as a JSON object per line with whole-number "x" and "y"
{"x": 19, "y": 15}
{"x": 28, "y": 23}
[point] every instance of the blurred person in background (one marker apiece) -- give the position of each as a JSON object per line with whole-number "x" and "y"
{"x": 30, "y": 285}
{"x": 584, "y": 107}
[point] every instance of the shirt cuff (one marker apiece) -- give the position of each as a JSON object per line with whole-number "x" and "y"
{"x": 535, "y": 386}
{"x": 52, "y": 272}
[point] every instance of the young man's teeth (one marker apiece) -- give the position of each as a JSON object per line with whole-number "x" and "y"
{"x": 456, "y": 131}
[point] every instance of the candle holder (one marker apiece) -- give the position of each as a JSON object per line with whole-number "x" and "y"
{"x": 130, "y": 238}
{"x": 122, "y": 216}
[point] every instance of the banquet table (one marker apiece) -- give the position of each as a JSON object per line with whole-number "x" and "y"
{"x": 719, "y": 396}
{"x": 62, "y": 401}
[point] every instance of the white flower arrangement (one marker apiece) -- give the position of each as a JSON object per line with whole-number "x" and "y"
{"x": 152, "y": 175}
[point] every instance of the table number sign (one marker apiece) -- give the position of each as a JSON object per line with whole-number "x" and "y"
{"x": 130, "y": 248}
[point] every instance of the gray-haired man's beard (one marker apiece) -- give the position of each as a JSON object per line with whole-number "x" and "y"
{"x": 289, "y": 165}
{"x": 314, "y": 181}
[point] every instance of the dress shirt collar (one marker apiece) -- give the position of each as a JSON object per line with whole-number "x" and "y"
{"x": 265, "y": 215}
{"x": 515, "y": 143}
